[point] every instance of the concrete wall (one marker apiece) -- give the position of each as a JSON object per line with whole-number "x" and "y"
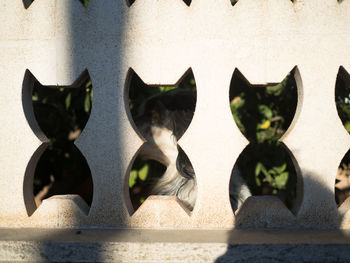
{"x": 54, "y": 41}
{"x": 129, "y": 246}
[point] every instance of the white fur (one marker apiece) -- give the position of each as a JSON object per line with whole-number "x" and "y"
{"x": 161, "y": 146}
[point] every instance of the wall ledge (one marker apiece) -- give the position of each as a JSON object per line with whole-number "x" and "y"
{"x": 142, "y": 245}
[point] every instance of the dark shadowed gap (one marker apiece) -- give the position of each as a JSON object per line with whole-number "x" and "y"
{"x": 27, "y": 3}
{"x": 130, "y": 2}
{"x": 187, "y": 2}
{"x": 161, "y": 115}
{"x": 62, "y": 113}
{"x": 82, "y": 47}
{"x": 263, "y": 113}
{"x": 85, "y": 2}
{"x": 342, "y": 100}
{"x": 233, "y": 2}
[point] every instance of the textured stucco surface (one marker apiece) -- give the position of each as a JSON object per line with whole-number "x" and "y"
{"x": 56, "y": 40}
{"x": 32, "y": 245}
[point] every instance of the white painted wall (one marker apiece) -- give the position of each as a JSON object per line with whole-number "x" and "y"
{"x": 56, "y": 40}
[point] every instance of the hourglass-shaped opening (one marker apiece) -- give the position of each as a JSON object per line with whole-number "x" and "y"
{"x": 263, "y": 113}
{"x": 57, "y": 115}
{"x": 342, "y": 99}
{"x": 161, "y": 115}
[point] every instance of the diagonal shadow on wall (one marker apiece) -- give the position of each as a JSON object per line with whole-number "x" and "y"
{"x": 91, "y": 39}
{"x": 297, "y": 243}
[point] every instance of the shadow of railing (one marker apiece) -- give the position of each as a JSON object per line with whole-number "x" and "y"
{"x": 90, "y": 38}
{"x": 299, "y": 240}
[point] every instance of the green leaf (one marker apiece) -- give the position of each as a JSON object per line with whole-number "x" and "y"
{"x": 264, "y": 171}
{"x": 88, "y": 84}
{"x": 87, "y": 104}
{"x": 132, "y": 178}
{"x": 277, "y": 89}
{"x": 238, "y": 122}
{"x": 35, "y": 97}
{"x": 257, "y": 181}
{"x": 272, "y": 172}
{"x": 281, "y": 180}
{"x": 347, "y": 126}
{"x": 280, "y": 169}
{"x": 68, "y": 100}
{"x": 268, "y": 178}
{"x": 265, "y": 111}
{"x": 258, "y": 168}
{"x": 143, "y": 172}
{"x": 166, "y": 88}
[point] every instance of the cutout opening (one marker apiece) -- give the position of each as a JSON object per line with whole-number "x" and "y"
{"x": 131, "y": 2}
{"x": 233, "y": 2}
{"x": 57, "y": 116}
{"x": 161, "y": 115}
{"x": 85, "y": 3}
{"x": 27, "y": 3}
{"x": 342, "y": 181}
{"x": 187, "y": 2}
{"x": 342, "y": 100}
{"x": 263, "y": 114}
